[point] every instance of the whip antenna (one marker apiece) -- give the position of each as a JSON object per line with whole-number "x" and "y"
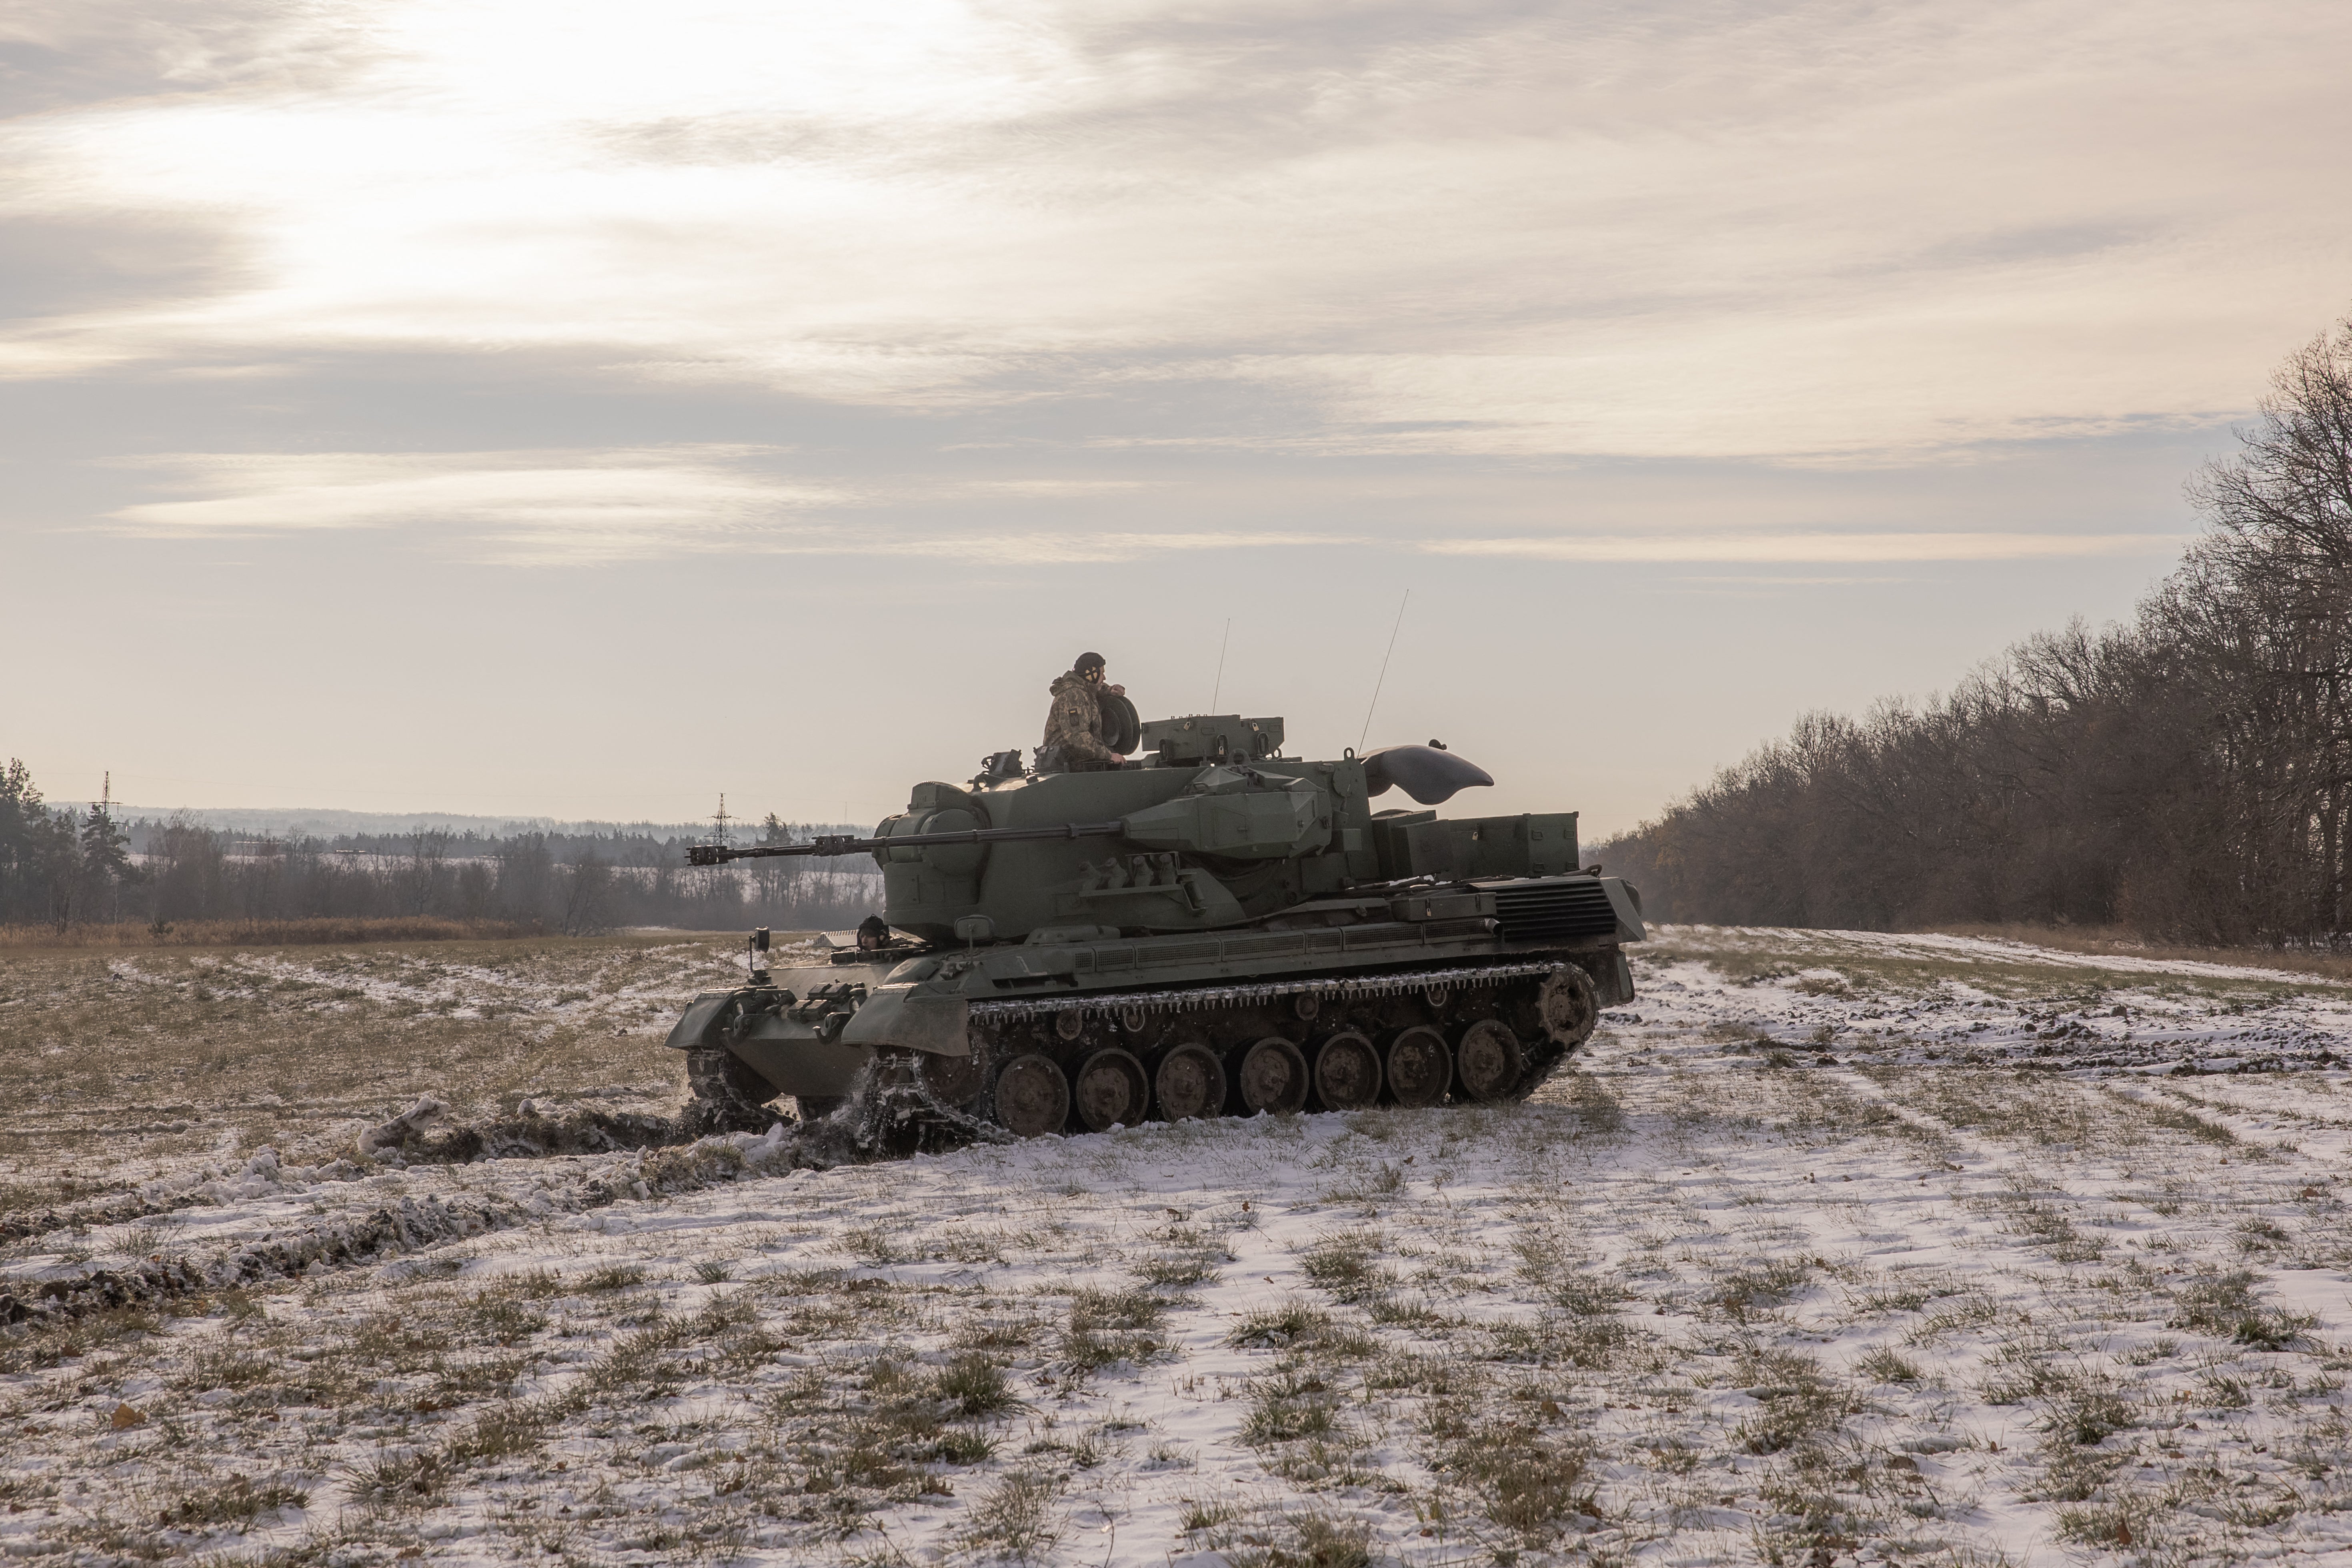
{"x": 1385, "y": 667}
{"x": 1221, "y": 664}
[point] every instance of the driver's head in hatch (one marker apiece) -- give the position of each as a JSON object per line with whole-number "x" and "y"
{"x": 873, "y": 932}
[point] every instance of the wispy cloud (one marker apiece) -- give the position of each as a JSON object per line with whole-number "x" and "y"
{"x": 1475, "y": 229}
{"x": 588, "y": 506}
{"x": 1798, "y": 548}
{"x": 581, "y": 507}
{"x": 593, "y": 507}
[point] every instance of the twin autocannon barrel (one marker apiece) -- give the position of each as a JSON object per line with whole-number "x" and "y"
{"x": 1232, "y": 811}
{"x": 842, "y": 844}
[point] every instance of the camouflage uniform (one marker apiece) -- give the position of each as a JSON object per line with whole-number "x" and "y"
{"x": 1074, "y": 726}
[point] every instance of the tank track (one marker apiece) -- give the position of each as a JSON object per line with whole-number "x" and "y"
{"x": 730, "y": 1097}
{"x": 1096, "y": 1040}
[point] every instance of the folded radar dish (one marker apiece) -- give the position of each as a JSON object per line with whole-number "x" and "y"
{"x": 1429, "y": 774}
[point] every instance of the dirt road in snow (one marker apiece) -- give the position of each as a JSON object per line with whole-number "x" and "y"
{"x": 1832, "y": 1248}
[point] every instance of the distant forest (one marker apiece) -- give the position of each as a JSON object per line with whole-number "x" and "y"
{"x": 66, "y": 867}
{"x": 2186, "y": 776}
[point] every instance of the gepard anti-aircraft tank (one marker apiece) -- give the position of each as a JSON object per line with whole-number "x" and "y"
{"x": 1214, "y": 929}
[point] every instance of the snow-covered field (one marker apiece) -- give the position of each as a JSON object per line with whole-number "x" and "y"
{"x": 1834, "y": 1248}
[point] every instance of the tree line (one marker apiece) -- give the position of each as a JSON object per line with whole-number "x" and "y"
{"x": 2186, "y": 775}
{"x": 65, "y": 866}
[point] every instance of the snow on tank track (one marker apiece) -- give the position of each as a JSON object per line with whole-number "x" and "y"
{"x": 1184, "y": 998}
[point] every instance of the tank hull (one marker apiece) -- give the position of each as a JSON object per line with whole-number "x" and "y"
{"x": 1462, "y": 991}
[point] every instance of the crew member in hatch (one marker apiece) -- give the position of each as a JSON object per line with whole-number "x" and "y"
{"x": 1075, "y": 724}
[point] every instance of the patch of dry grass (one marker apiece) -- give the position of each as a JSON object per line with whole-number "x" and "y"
{"x": 1015, "y": 1517}
{"x": 1108, "y": 1327}
{"x": 113, "y": 1063}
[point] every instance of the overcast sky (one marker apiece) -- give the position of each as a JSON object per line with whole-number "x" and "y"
{"x": 582, "y": 408}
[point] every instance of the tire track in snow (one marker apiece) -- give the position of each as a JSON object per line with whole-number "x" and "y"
{"x": 388, "y": 1231}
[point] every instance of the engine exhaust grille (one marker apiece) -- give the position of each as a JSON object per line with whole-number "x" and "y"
{"x": 1551, "y": 911}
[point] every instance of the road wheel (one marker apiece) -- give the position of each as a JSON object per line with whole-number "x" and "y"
{"x": 1570, "y": 1006}
{"x": 1033, "y": 1098}
{"x": 1190, "y": 1082}
{"x": 1421, "y": 1068}
{"x": 1346, "y": 1072}
{"x": 1111, "y": 1090}
{"x": 1489, "y": 1060}
{"x": 1272, "y": 1076}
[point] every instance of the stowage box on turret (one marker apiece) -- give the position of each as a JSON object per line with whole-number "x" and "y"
{"x": 1216, "y": 929}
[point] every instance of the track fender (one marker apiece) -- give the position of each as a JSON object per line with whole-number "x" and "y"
{"x": 913, "y": 1020}
{"x": 690, "y": 1028}
{"x": 1625, "y": 904}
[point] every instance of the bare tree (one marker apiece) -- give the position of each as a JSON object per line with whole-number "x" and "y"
{"x": 2189, "y": 774}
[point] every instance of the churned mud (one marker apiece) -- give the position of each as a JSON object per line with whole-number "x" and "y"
{"x": 874, "y": 1125}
